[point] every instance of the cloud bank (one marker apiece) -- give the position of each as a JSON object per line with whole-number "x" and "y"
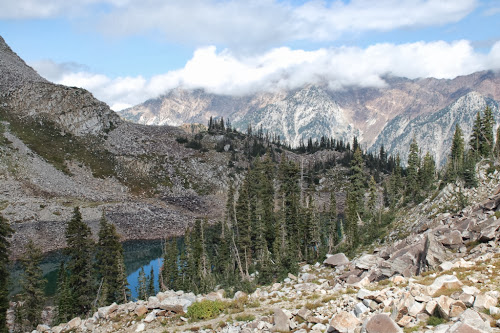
{"x": 283, "y": 68}
{"x": 242, "y": 24}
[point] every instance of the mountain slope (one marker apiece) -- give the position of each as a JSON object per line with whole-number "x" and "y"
{"x": 366, "y": 110}
{"x": 434, "y": 132}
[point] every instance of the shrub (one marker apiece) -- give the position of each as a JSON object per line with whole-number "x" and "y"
{"x": 434, "y": 321}
{"x": 205, "y": 310}
{"x": 181, "y": 140}
{"x": 245, "y": 317}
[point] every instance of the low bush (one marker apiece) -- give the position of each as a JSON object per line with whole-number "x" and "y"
{"x": 205, "y": 310}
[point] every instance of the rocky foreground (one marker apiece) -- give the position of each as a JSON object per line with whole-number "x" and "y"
{"x": 444, "y": 279}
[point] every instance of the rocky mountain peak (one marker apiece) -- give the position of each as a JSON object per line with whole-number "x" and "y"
{"x": 15, "y": 72}
{"x": 26, "y": 95}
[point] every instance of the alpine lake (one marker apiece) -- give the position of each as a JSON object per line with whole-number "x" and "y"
{"x": 138, "y": 254}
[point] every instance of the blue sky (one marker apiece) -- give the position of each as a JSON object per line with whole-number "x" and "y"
{"x": 126, "y": 51}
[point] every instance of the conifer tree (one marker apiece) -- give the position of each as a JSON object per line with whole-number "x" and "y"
{"x": 428, "y": 172}
{"x": 412, "y": 188}
{"x": 475, "y": 137}
{"x": 170, "y": 270}
{"x": 355, "y": 205}
{"x": 80, "y": 252}
{"x": 497, "y": 144}
{"x": 456, "y": 159}
{"x": 110, "y": 267}
{"x": 33, "y": 285}
{"x": 64, "y": 304}
{"x": 142, "y": 285}
{"x": 5, "y": 233}
{"x": 151, "y": 282}
{"x": 332, "y": 229}
{"x": 486, "y": 143}
{"x": 372, "y": 199}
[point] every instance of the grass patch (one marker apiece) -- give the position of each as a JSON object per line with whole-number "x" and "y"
{"x": 312, "y": 306}
{"x": 435, "y": 321}
{"x": 446, "y": 292}
{"x": 205, "y": 310}
{"x": 245, "y": 317}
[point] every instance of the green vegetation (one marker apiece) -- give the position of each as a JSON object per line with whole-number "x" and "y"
{"x": 435, "y": 321}
{"x": 29, "y": 314}
{"x": 110, "y": 265}
{"x": 5, "y": 233}
{"x": 205, "y": 310}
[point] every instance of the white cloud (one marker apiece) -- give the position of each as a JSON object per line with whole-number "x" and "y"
{"x": 284, "y": 68}
{"x": 245, "y": 25}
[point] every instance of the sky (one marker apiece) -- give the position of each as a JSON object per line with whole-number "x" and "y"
{"x": 128, "y": 51}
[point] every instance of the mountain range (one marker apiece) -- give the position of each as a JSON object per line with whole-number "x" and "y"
{"x": 375, "y": 116}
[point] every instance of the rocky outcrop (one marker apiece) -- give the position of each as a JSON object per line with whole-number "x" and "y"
{"x": 14, "y": 71}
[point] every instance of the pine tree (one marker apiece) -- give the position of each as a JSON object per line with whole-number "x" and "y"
{"x": 80, "y": 252}
{"x": 475, "y": 138}
{"x": 142, "y": 285}
{"x": 151, "y": 282}
{"x": 412, "y": 188}
{"x": 355, "y": 205}
{"x": 486, "y": 143}
{"x": 64, "y": 304}
{"x": 333, "y": 233}
{"x": 372, "y": 199}
{"x": 428, "y": 172}
{"x": 497, "y": 144}
{"x": 170, "y": 270}
{"x": 5, "y": 234}
{"x": 456, "y": 159}
{"x": 33, "y": 285}
{"x": 110, "y": 264}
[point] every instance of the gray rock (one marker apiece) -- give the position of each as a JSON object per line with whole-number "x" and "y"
{"x": 281, "y": 321}
{"x": 484, "y": 302}
{"x": 381, "y": 323}
{"x": 337, "y": 259}
{"x": 343, "y": 322}
{"x": 360, "y": 308}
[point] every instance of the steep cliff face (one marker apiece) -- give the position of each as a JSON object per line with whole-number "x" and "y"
{"x": 308, "y": 112}
{"x": 434, "y": 132}
{"x": 355, "y": 111}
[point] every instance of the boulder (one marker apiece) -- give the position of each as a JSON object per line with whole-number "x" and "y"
{"x": 367, "y": 261}
{"x": 473, "y": 319}
{"x": 281, "y": 321}
{"x": 150, "y": 317}
{"x": 489, "y": 232}
{"x": 153, "y": 302}
{"x": 443, "y": 306}
{"x": 73, "y": 324}
{"x": 43, "y": 328}
{"x": 484, "y": 302}
{"x": 416, "y": 308}
{"x": 433, "y": 254}
{"x": 381, "y": 323}
{"x": 467, "y": 299}
{"x": 360, "y": 308}
{"x": 304, "y": 313}
{"x": 141, "y": 310}
{"x": 337, "y": 259}
{"x": 457, "y": 308}
{"x": 451, "y": 239}
{"x": 104, "y": 312}
{"x": 463, "y": 328}
{"x": 444, "y": 282}
{"x": 343, "y": 322}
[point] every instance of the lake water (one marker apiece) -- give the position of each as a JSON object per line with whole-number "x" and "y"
{"x": 137, "y": 254}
